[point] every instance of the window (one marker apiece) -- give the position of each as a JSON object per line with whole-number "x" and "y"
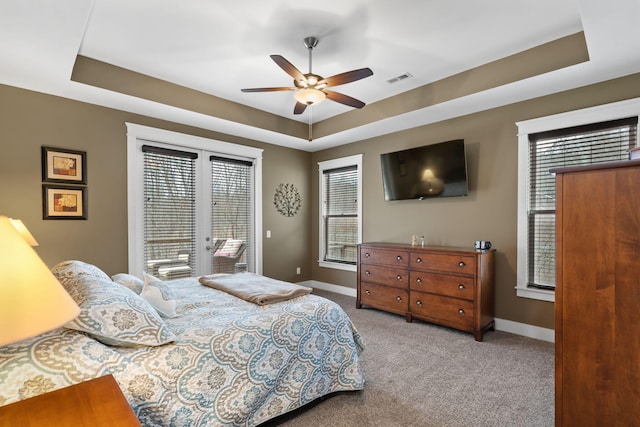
{"x": 601, "y": 142}
{"x": 340, "y": 212}
{"x": 540, "y": 151}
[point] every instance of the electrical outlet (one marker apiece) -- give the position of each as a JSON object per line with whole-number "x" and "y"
{"x": 298, "y": 270}
{"x": 268, "y": 234}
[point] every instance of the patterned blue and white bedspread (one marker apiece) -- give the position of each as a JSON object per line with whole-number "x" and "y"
{"x": 234, "y": 363}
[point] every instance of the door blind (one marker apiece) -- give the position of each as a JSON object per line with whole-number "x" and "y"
{"x": 231, "y": 214}
{"x": 340, "y": 214}
{"x": 582, "y": 145}
{"x": 169, "y": 212}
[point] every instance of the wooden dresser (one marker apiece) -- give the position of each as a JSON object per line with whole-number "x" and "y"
{"x": 597, "y": 303}
{"x": 444, "y": 285}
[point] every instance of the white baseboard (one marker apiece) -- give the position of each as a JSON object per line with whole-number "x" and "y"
{"x": 530, "y": 331}
{"x": 338, "y": 289}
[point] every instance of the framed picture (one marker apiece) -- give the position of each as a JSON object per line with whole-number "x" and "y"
{"x": 60, "y": 165}
{"x": 64, "y": 202}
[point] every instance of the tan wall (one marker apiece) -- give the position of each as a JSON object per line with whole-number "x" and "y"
{"x": 490, "y": 210}
{"x": 29, "y": 120}
{"x": 288, "y": 247}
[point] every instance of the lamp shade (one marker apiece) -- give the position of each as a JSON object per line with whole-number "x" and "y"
{"x": 32, "y": 301}
{"x": 22, "y": 229}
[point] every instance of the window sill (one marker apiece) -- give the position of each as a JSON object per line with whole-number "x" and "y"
{"x": 539, "y": 294}
{"x": 338, "y": 266}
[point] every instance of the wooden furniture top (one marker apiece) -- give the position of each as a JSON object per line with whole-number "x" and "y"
{"x": 443, "y": 249}
{"x": 98, "y": 402}
{"x": 597, "y": 166}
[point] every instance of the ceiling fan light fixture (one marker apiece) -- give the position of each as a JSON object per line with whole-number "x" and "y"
{"x": 312, "y": 79}
{"x": 309, "y": 96}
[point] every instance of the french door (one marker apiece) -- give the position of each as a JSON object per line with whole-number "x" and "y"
{"x": 192, "y": 211}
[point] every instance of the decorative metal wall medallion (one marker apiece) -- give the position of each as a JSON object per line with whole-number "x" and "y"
{"x": 287, "y": 199}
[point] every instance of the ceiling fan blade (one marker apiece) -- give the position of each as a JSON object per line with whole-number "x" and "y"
{"x": 347, "y": 77}
{"x": 288, "y": 67}
{"x": 344, "y": 99}
{"x": 267, "y": 89}
{"x": 299, "y": 108}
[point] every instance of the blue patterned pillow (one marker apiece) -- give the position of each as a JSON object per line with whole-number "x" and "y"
{"x": 75, "y": 268}
{"x": 112, "y": 313}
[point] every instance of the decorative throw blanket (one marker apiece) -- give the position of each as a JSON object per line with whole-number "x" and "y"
{"x": 255, "y": 288}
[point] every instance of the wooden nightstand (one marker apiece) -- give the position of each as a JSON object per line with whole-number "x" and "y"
{"x": 97, "y": 402}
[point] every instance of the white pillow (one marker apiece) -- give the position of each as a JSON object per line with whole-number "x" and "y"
{"x": 158, "y": 294}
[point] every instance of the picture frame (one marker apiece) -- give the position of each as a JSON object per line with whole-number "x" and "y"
{"x": 64, "y": 202}
{"x": 62, "y": 165}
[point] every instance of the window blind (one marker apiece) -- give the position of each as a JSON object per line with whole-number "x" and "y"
{"x": 581, "y": 145}
{"x": 340, "y": 214}
{"x": 169, "y": 210}
{"x": 232, "y": 208}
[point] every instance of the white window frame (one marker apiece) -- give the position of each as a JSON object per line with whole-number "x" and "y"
{"x": 355, "y": 160}
{"x": 600, "y": 113}
{"x": 137, "y": 135}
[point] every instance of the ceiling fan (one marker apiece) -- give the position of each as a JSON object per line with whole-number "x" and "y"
{"x": 311, "y": 88}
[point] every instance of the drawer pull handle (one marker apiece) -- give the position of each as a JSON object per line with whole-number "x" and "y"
{"x": 367, "y": 254}
{"x": 398, "y": 299}
{"x": 399, "y": 258}
{"x": 367, "y": 273}
{"x": 399, "y": 278}
{"x": 419, "y": 260}
{"x": 419, "y": 303}
{"x": 461, "y": 312}
{"x": 367, "y": 292}
{"x": 461, "y": 264}
{"x": 461, "y": 287}
{"x": 419, "y": 281}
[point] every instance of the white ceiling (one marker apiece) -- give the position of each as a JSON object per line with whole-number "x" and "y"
{"x": 221, "y": 47}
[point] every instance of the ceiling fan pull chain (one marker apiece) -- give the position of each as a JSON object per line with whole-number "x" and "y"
{"x": 310, "y": 123}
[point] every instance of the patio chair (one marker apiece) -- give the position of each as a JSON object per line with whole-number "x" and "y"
{"x": 171, "y": 268}
{"x": 229, "y": 254}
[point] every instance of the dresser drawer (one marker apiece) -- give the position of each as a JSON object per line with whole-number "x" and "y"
{"x": 390, "y": 257}
{"x": 390, "y": 299}
{"x": 453, "y": 312}
{"x": 453, "y": 286}
{"x": 396, "y": 277}
{"x": 443, "y": 262}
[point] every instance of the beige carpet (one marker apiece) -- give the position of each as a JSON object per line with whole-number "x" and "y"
{"x": 422, "y": 375}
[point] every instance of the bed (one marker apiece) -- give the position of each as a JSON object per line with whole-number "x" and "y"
{"x": 210, "y": 358}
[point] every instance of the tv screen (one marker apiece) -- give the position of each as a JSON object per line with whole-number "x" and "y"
{"x": 437, "y": 170}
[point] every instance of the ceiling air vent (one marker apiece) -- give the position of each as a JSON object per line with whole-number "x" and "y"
{"x": 398, "y": 78}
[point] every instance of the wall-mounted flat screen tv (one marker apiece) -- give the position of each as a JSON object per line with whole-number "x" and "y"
{"x": 437, "y": 170}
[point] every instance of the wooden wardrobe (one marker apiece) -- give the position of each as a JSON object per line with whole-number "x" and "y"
{"x": 597, "y": 330}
